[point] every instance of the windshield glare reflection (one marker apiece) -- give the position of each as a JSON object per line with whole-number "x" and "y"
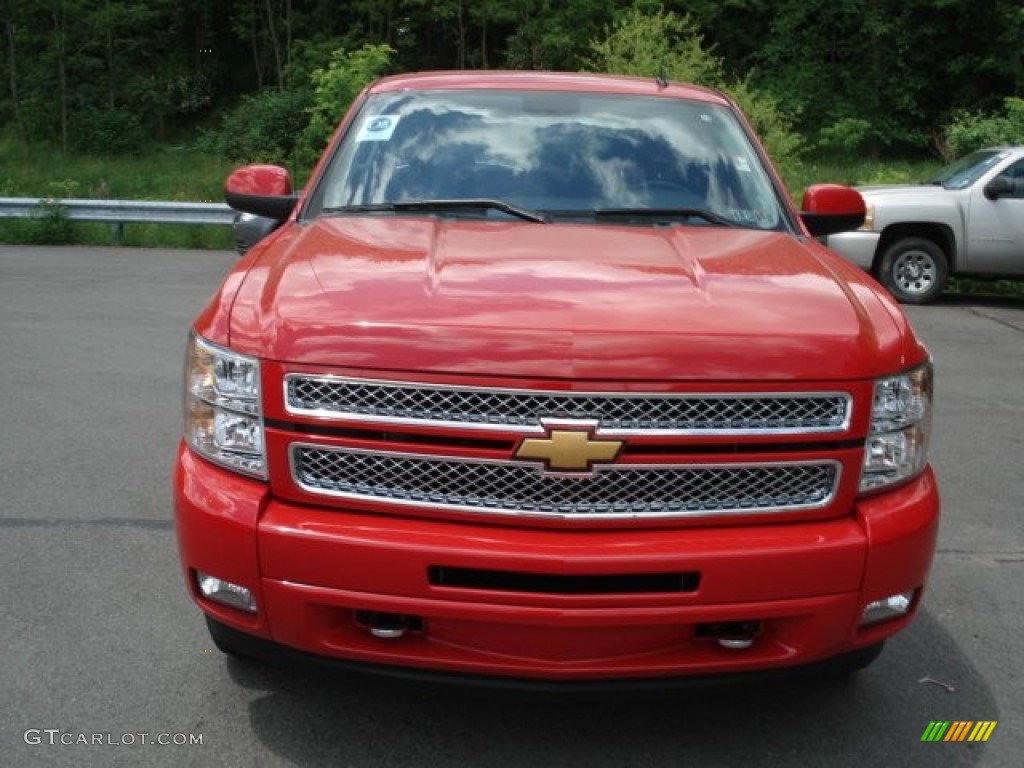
{"x": 561, "y": 153}
{"x": 967, "y": 170}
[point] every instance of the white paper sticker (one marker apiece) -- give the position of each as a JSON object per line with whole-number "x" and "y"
{"x": 378, "y": 128}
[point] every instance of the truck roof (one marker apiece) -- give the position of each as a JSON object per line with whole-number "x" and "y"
{"x": 546, "y": 81}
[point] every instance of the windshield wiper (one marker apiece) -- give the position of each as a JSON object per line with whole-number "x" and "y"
{"x": 664, "y": 213}
{"x": 444, "y": 205}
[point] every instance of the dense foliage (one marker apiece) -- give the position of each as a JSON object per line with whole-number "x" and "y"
{"x": 853, "y": 76}
{"x": 969, "y": 132}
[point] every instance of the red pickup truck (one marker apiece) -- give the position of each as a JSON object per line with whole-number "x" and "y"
{"x": 543, "y": 378}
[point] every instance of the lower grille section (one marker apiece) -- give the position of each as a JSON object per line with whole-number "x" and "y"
{"x": 618, "y": 491}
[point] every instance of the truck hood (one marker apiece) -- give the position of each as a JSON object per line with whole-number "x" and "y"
{"x": 562, "y": 300}
{"x": 896, "y": 192}
{"x": 894, "y": 204}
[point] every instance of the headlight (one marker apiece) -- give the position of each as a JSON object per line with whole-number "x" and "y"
{"x": 901, "y": 415}
{"x": 223, "y": 418}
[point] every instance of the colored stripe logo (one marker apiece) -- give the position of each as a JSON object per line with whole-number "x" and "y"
{"x": 959, "y": 730}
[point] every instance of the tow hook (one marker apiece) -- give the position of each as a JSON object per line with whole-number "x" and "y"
{"x": 732, "y": 635}
{"x": 388, "y": 626}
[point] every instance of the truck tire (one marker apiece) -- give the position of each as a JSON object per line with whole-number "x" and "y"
{"x": 914, "y": 270}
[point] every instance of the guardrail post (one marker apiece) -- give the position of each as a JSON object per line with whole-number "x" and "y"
{"x": 116, "y": 232}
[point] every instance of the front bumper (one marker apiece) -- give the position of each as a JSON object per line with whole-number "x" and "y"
{"x": 857, "y": 247}
{"x": 318, "y": 573}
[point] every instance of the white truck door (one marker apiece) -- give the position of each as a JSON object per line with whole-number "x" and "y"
{"x": 995, "y": 228}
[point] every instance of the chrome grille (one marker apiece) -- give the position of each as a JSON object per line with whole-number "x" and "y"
{"x": 520, "y": 410}
{"x": 616, "y": 491}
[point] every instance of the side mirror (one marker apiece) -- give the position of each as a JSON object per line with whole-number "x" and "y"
{"x": 999, "y": 186}
{"x": 831, "y": 208}
{"x": 262, "y": 190}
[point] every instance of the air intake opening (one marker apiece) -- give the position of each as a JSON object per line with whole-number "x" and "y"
{"x": 556, "y": 584}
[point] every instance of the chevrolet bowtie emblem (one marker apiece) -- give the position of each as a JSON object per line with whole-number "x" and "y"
{"x": 569, "y": 450}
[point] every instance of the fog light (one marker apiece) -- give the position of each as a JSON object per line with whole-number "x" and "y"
{"x": 891, "y": 607}
{"x": 225, "y": 592}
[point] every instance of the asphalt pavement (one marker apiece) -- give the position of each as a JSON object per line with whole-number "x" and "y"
{"x": 105, "y": 657}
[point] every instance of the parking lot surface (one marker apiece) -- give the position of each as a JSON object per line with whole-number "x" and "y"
{"x": 107, "y": 662}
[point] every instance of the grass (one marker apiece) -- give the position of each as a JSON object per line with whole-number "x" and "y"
{"x": 855, "y": 173}
{"x": 985, "y": 287}
{"x": 164, "y": 173}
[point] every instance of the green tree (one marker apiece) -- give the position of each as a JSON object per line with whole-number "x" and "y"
{"x": 733, "y": 29}
{"x": 98, "y": 77}
{"x": 649, "y": 43}
{"x": 858, "y": 75}
{"x": 557, "y": 35}
{"x": 872, "y": 74}
{"x": 970, "y": 131}
{"x": 264, "y": 127}
{"x": 334, "y": 89}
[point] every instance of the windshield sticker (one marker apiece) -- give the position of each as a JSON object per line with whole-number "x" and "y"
{"x": 378, "y": 128}
{"x": 742, "y": 165}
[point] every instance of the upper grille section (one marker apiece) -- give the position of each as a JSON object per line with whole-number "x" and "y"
{"x": 614, "y": 492}
{"x": 523, "y": 410}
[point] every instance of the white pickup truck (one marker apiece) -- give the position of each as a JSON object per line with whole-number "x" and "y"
{"x": 967, "y": 220}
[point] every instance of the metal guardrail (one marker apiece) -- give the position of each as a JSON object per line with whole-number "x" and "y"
{"x": 117, "y": 212}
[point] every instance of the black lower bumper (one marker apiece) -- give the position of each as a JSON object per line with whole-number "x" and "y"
{"x": 243, "y": 645}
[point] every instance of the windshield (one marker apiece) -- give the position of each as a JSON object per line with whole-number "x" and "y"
{"x": 561, "y": 155}
{"x": 967, "y": 170}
